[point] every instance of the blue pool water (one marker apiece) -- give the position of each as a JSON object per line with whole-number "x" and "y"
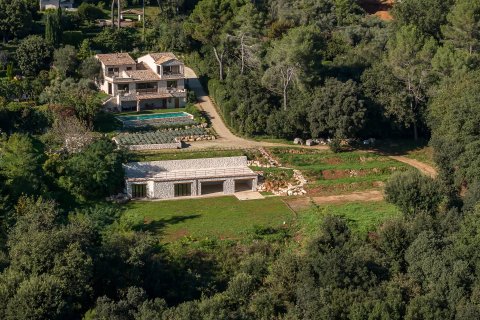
{"x": 154, "y": 116}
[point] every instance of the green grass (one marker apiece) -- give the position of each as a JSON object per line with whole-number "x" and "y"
{"x": 222, "y": 217}
{"x": 182, "y": 155}
{"x": 361, "y": 217}
{"x": 272, "y": 140}
{"x": 358, "y": 170}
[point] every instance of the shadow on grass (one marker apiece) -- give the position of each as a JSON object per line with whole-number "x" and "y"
{"x": 395, "y": 147}
{"x": 157, "y": 226}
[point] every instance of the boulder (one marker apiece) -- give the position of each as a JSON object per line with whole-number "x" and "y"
{"x": 298, "y": 141}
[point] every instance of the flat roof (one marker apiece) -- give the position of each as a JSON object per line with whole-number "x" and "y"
{"x": 188, "y": 169}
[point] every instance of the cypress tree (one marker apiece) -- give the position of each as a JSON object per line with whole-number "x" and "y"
{"x": 53, "y": 28}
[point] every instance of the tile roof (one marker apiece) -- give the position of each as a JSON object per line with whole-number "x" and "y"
{"x": 115, "y": 59}
{"x": 163, "y": 57}
{"x": 143, "y": 75}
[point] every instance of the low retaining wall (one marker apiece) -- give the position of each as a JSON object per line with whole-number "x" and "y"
{"x": 139, "y": 147}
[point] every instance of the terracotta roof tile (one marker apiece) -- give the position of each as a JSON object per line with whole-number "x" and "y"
{"x": 115, "y": 59}
{"x": 163, "y": 57}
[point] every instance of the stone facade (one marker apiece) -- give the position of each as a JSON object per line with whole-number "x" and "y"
{"x": 137, "y": 147}
{"x": 160, "y": 177}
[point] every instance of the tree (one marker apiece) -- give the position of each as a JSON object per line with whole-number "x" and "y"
{"x": 400, "y": 83}
{"x": 454, "y": 114}
{"x": 336, "y": 110}
{"x": 20, "y": 165}
{"x": 248, "y": 23}
{"x": 413, "y": 193}
{"x": 50, "y": 270}
{"x": 15, "y": 18}
{"x": 80, "y": 96}
{"x": 210, "y": 23}
{"x": 53, "y": 28}
{"x": 65, "y": 61}
{"x": 90, "y": 12}
{"x": 85, "y": 51}
{"x": 34, "y": 54}
{"x": 115, "y": 40}
{"x": 463, "y": 28}
{"x": 95, "y": 172}
{"x": 91, "y": 69}
{"x": 426, "y": 15}
{"x": 292, "y": 60}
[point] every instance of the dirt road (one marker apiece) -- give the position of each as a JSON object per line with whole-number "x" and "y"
{"x": 226, "y": 139}
{"x": 423, "y": 167}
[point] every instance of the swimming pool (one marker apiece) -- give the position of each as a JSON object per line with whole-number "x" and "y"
{"x": 155, "y": 116}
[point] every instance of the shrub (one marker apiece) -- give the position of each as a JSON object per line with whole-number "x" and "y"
{"x": 73, "y": 38}
{"x": 412, "y": 192}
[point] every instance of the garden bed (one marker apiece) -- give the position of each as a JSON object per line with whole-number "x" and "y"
{"x": 162, "y": 139}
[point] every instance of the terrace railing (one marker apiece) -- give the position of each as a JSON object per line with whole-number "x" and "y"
{"x": 147, "y": 91}
{"x": 202, "y": 173}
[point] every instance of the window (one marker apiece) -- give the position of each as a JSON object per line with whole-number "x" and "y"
{"x": 123, "y": 88}
{"x": 183, "y": 189}
{"x": 172, "y": 84}
{"x": 139, "y": 190}
{"x": 129, "y": 68}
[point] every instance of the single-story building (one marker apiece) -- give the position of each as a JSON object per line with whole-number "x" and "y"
{"x": 189, "y": 178}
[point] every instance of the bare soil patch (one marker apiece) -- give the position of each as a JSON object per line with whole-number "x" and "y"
{"x": 379, "y": 8}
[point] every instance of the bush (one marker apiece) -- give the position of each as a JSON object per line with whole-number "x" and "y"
{"x": 73, "y": 38}
{"x": 412, "y": 192}
{"x": 90, "y": 12}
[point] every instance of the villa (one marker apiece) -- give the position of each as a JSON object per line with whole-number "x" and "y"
{"x": 154, "y": 81}
{"x": 189, "y": 178}
{"x": 55, "y": 4}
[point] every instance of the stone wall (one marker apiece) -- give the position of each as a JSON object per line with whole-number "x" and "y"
{"x": 137, "y": 147}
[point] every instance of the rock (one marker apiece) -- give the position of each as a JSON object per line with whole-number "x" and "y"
{"x": 298, "y": 141}
{"x": 310, "y": 142}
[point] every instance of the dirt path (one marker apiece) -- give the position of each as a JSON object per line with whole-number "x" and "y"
{"x": 423, "y": 167}
{"x": 361, "y": 196}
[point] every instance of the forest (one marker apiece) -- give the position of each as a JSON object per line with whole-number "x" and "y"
{"x": 275, "y": 68}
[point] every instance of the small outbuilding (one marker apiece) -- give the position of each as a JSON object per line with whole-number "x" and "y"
{"x": 189, "y": 178}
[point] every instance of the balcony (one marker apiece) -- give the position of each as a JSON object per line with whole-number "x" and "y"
{"x": 146, "y": 91}
{"x": 112, "y": 74}
{"x": 172, "y": 75}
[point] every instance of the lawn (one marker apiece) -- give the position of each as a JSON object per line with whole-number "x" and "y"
{"x": 160, "y": 155}
{"x": 362, "y": 217}
{"x": 222, "y": 217}
{"x": 329, "y": 172}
